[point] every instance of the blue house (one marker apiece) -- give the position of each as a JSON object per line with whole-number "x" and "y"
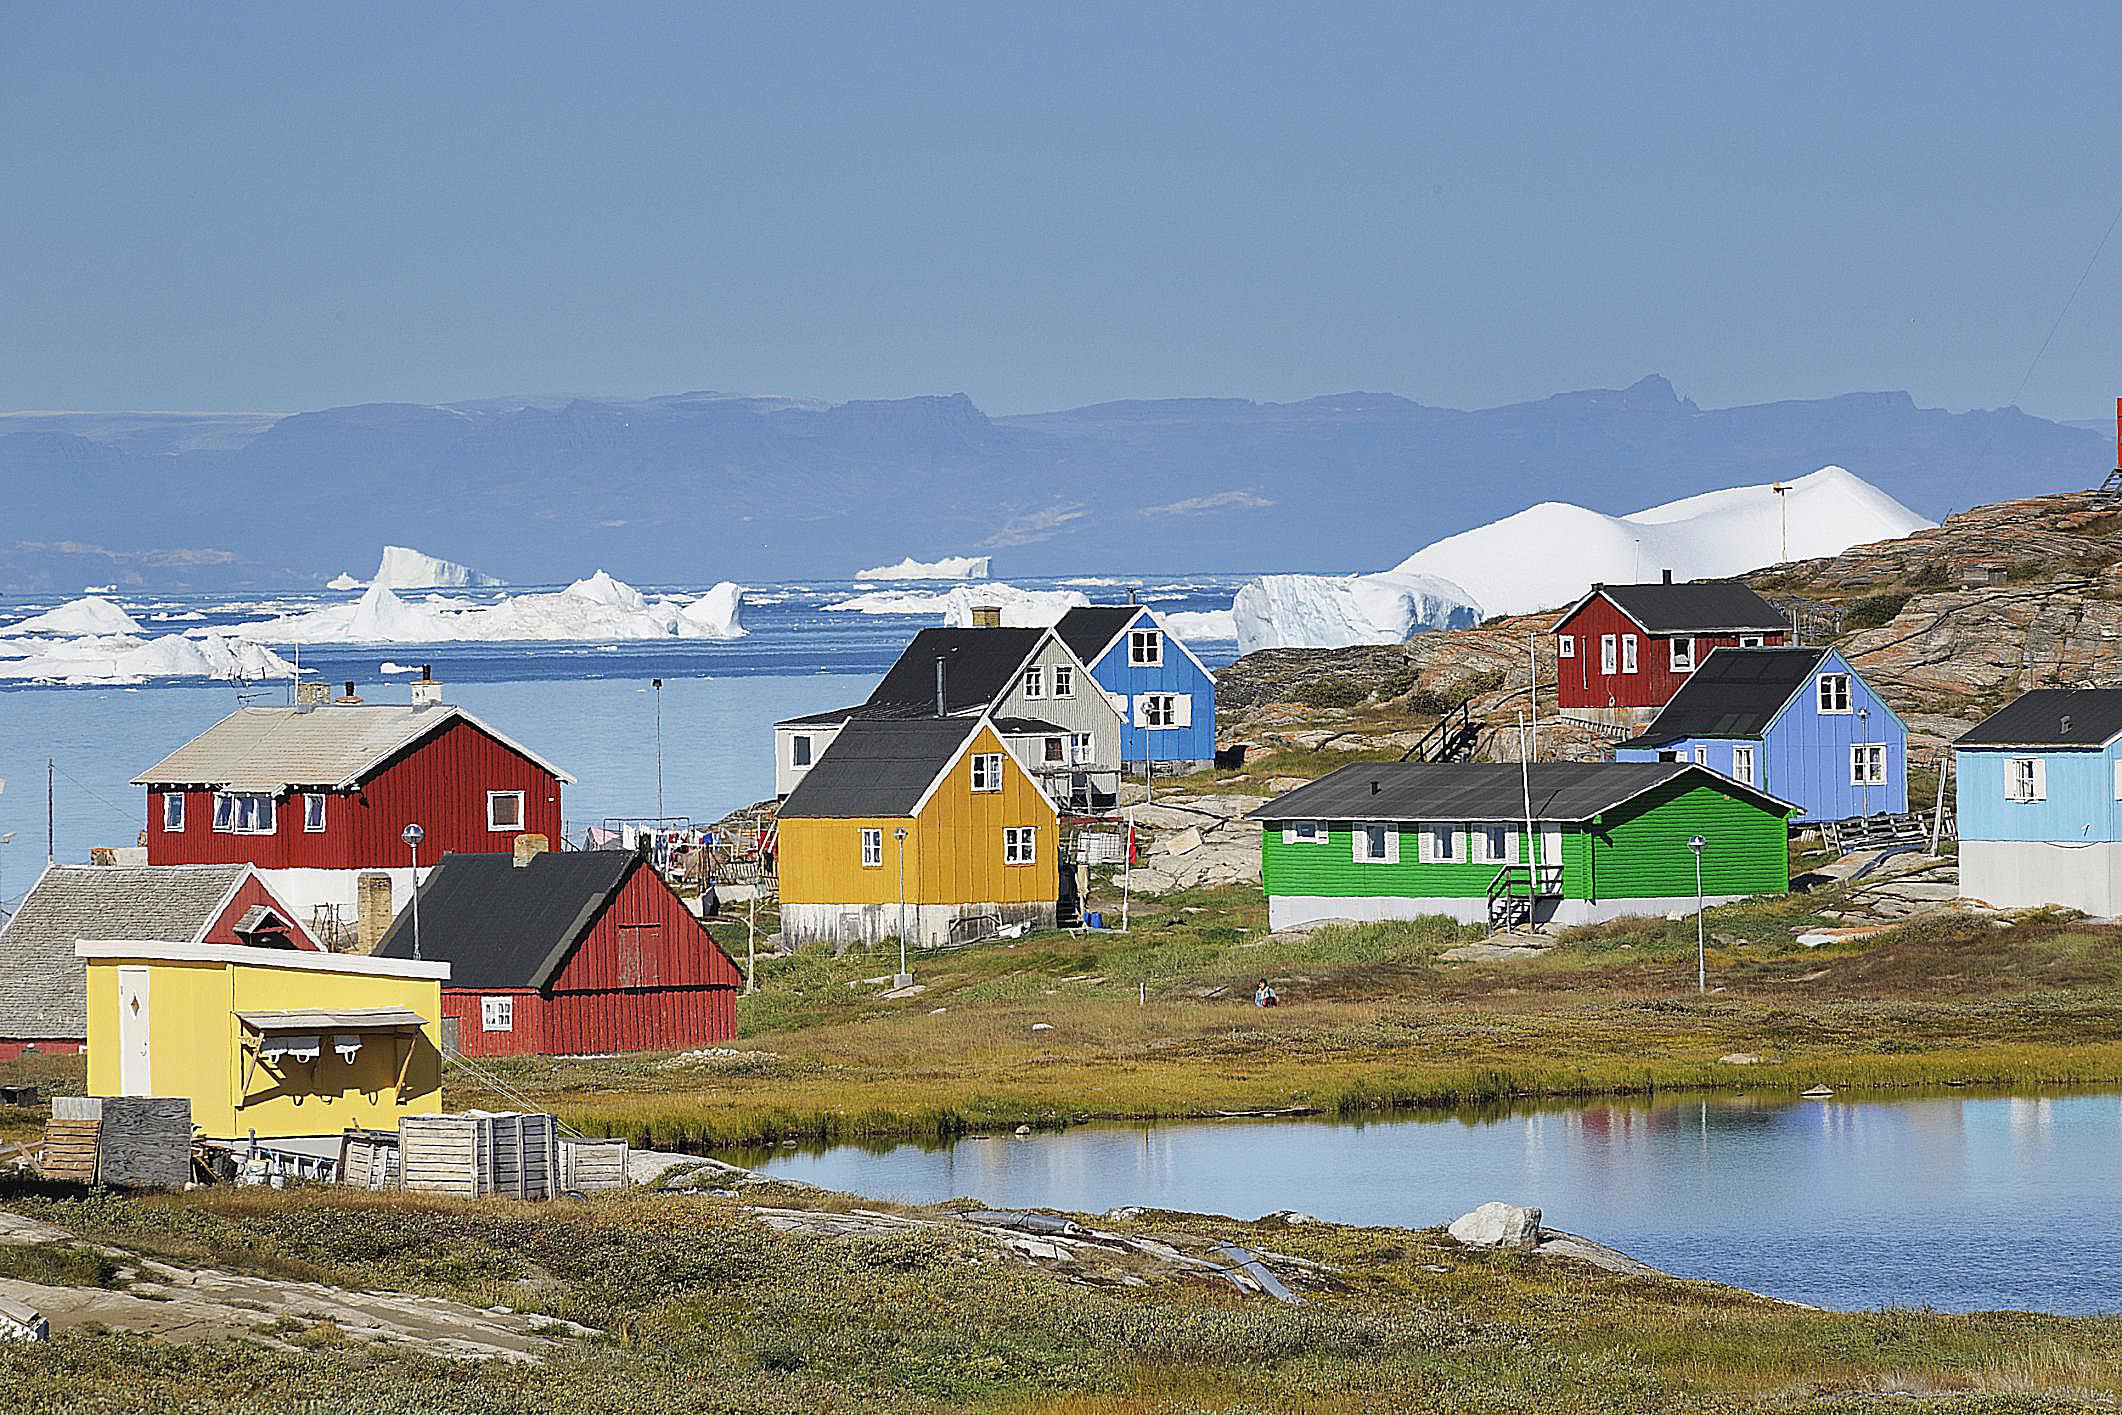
{"x": 1166, "y": 699}
{"x": 1796, "y": 722}
{"x": 2039, "y": 802}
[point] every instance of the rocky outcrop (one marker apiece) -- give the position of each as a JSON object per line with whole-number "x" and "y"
{"x": 1195, "y": 842}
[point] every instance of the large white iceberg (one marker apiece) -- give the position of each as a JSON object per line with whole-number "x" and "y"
{"x": 1335, "y": 611}
{"x": 92, "y": 615}
{"x": 598, "y": 609}
{"x": 1021, "y": 608}
{"x": 403, "y": 568}
{"x": 120, "y": 658}
{"x": 950, "y": 567}
{"x": 1201, "y": 625}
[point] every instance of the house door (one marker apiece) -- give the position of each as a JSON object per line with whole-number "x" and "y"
{"x": 1551, "y": 854}
{"x": 135, "y": 1072}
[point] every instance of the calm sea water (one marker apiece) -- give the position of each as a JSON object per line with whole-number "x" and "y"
{"x": 588, "y": 707}
{"x": 1959, "y": 1202}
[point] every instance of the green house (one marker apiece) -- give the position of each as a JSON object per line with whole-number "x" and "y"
{"x": 1396, "y": 840}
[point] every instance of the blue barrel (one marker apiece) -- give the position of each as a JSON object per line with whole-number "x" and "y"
{"x": 1095, "y": 919}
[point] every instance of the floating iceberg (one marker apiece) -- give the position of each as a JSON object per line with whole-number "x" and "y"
{"x": 344, "y": 581}
{"x": 403, "y": 568}
{"x": 81, "y": 617}
{"x": 120, "y": 658}
{"x": 1021, "y": 609}
{"x": 594, "y": 610}
{"x": 1202, "y": 625}
{"x": 1335, "y": 611}
{"x": 950, "y": 567}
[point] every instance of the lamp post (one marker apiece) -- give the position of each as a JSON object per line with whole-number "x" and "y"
{"x": 1695, "y": 843}
{"x": 1782, "y": 491}
{"x": 412, "y": 836}
{"x": 5, "y": 841}
{"x": 1863, "y": 762}
{"x": 904, "y": 978}
{"x": 657, "y": 684}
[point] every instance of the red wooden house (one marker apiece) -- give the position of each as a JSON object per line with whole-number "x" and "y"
{"x": 1626, "y": 649}
{"x": 567, "y": 953}
{"x": 333, "y": 786}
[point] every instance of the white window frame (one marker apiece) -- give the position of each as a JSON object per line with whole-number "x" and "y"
{"x": 1145, "y": 648}
{"x": 314, "y": 818}
{"x": 1053, "y": 751}
{"x": 2025, "y": 779}
{"x": 987, "y": 772}
{"x": 1034, "y": 682}
{"x": 1064, "y": 680}
{"x": 495, "y": 796}
{"x": 1752, "y": 641}
{"x": 1565, "y": 646}
{"x": 1743, "y": 752}
{"x": 872, "y": 848}
{"x": 173, "y": 812}
{"x": 1160, "y": 711}
{"x": 1480, "y": 836}
{"x": 1867, "y": 763}
{"x": 1359, "y": 847}
{"x": 799, "y": 752}
{"x": 1020, "y": 845}
{"x": 1629, "y": 657}
{"x": 1609, "y": 654}
{"x": 2118, "y": 778}
{"x": 1681, "y": 650}
{"x": 1701, "y": 754}
{"x": 1082, "y": 748}
{"x": 238, "y": 812}
{"x": 1454, "y": 836}
{"x": 497, "y": 1014}
{"x": 1305, "y": 833}
{"x": 1830, "y": 688}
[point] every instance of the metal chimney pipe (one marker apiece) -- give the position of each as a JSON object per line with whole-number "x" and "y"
{"x": 942, "y": 700}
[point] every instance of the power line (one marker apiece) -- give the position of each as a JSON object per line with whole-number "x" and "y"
{"x": 130, "y": 815}
{"x": 2023, "y": 378}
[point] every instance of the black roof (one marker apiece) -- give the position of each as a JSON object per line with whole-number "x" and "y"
{"x": 879, "y": 766}
{"x": 501, "y": 925}
{"x": 2052, "y": 717}
{"x": 1087, "y": 629}
{"x": 1705, "y": 607}
{"x": 1026, "y": 726}
{"x": 1733, "y": 693}
{"x": 978, "y": 665}
{"x": 1462, "y": 791}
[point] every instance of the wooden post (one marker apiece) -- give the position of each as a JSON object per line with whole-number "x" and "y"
{"x": 1937, "y": 813}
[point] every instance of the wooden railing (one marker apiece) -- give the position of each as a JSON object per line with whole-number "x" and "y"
{"x": 1444, "y": 739}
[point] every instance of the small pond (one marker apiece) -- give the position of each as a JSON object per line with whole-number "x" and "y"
{"x": 1960, "y": 1201}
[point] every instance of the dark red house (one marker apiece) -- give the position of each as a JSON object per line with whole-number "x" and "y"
{"x": 567, "y": 953}
{"x": 1630, "y": 647}
{"x": 333, "y": 786}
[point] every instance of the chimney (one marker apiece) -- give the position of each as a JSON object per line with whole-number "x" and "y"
{"x": 529, "y": 846}
{"x": 311, "y": 694}
{"x": 426, "y": 691}
{"x": 1374, "y": 788}
{"x": 372, "y": 909}
{"x": 1668, "y": 577}
{"x": 351, "y": 698}
{"x": 942, "y": 698}
{"x": 2066, "y": 726}
{"x": 987, "y": 616}
{"x": 1133, "y": 593}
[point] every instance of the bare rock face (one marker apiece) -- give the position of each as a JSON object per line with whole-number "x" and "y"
{"x": 1498, "y": 1225}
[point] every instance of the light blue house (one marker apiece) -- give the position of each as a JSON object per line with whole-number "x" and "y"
{"x": 2039, "y": 802}
{"x": 1166, "y": 698}
{"x": 1799, "y": 723}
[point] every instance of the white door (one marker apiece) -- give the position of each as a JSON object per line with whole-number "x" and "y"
{"x": 135, "y": 1073}
{"x": 1551, "y": 848}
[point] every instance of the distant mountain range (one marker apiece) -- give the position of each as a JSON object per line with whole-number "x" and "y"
{"x": 703, "y": 486}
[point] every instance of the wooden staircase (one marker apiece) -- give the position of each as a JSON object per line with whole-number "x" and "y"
{"x": 1515, "y": 891}
{"x": 1450, "y": 740}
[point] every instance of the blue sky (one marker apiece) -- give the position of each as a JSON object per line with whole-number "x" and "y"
{"x": 283, "y": 207}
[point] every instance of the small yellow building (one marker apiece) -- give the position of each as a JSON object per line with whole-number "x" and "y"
{"x": 926, "y": 824}
{"x": 265, "y": 1042}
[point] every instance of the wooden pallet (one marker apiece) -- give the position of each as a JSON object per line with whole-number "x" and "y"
{"x": 70, "y": 1150}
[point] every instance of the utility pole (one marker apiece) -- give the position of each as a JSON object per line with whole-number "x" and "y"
{"x": 1696, "y": 843}
{"x": 657, "y": 685}
{"x": 1782, "y": 491}
{"x": 51, "y": 829}
{"x": 904, "y": 978}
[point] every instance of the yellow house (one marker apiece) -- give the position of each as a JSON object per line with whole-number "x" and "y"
{"x": 268, "y": 1043}
{"x": 927, "y": 826}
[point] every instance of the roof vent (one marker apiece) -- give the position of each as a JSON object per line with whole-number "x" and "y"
{"x": 350, "y": 698}
{"x": 942, "y": 699}
{"x": 426, "y": 691}
{"x": 2066, "y": 725}
{"x": 1374, "y": 788}
{"x": 1668, "y": 577}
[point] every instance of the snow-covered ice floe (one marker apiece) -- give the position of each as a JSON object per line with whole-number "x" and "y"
{"x": 1548, "y": 555}
{"x": 597, "y": 609}
{"x": 950, "y": 567}
{"x": 403, "y": 568}
{"x": 1201, "y": 625}
{"x": 124, "y": 658}
{"x": 91, "y": 615}
{"x": 1021, "y": 608}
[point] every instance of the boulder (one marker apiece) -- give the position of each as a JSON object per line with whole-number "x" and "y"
{"x": 1498, "y": 1225}
{"x": 1184, "y": 842}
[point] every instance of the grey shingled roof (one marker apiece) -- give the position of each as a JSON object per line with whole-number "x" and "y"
{"x": 332, "y": 746}
{"x": 1089, "y": 630}
{"x": 879, "y": 766}
{"x": 1705, "y": 607}
{"x": 2051, "y": 717}
{"x": 1734, "y": 693}
{"x": 42, "y": 982}
{"x": 979, "y": 666}
{"x": 1493, "y": 791}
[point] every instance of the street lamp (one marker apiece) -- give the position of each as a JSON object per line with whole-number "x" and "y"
{"x": 1782, "y": 491}
{"x": 1695, "y": 843}
{"x": 905, "y": 978}
{"x": 657, "y": 684}
{"x": 5, "y": 841}
{"x": 412, "y": 836}
{"x": 1863, "y": 757}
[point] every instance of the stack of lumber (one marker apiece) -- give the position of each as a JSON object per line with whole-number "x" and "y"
{"x": 70, "y": 1139}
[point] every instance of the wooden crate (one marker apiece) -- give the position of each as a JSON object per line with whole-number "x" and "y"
{"x": 591, "y": 1166}
{"x": 480, "y": 1155}
{"x": 70, "y": 1150}
{"x": 145, "y": 1142}
{"x": 368, "y": 1159}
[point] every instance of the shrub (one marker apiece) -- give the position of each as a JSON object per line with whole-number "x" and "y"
{"x": 1874, "y": 609}
{"x": 1336, "y": 692}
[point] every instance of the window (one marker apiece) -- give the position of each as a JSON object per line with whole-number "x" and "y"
{"x": 872, "y": 849}
{"x": 1750, "y": 641}
{"x": 1628, "y": 653}
{"x": 1064, "y": 681}
{"x": 497, "y": 1014}
{"x": 313, "y": 811}
{"x": 1440, "y": 844}
{"x": 799, "y": 750}
{"x": 1701, "y": 756}
{"x": 2025, "y": 779}
{"x": 1081, "y": 749}
{"x": 173, "y": 810}
{"x": 1495, "y": 845}
{"x": 1606, "y": 653}
{"x": 1019, "y": 844}
{"x": 2118, "y": 779}
{"x": 1145, "y": 648}
{"x": 1157, "y": 710}
{"x": 1742, "y": 763}
{"x": 1867, "y": 764}
{"x": 1566, "y": 646}
{"x": 987, "y": 771}
{"x": 1833, "y": 689}
{"x": 1056, "y": 750}
{"x": 1683, "y": 655}
{"x": 1376, "y": 843}
{"x": 504, "y": 810}
{"x": 243, "y": 813}
{"x": 1304, "y": 832}
{"x": 1034, "y": 682}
